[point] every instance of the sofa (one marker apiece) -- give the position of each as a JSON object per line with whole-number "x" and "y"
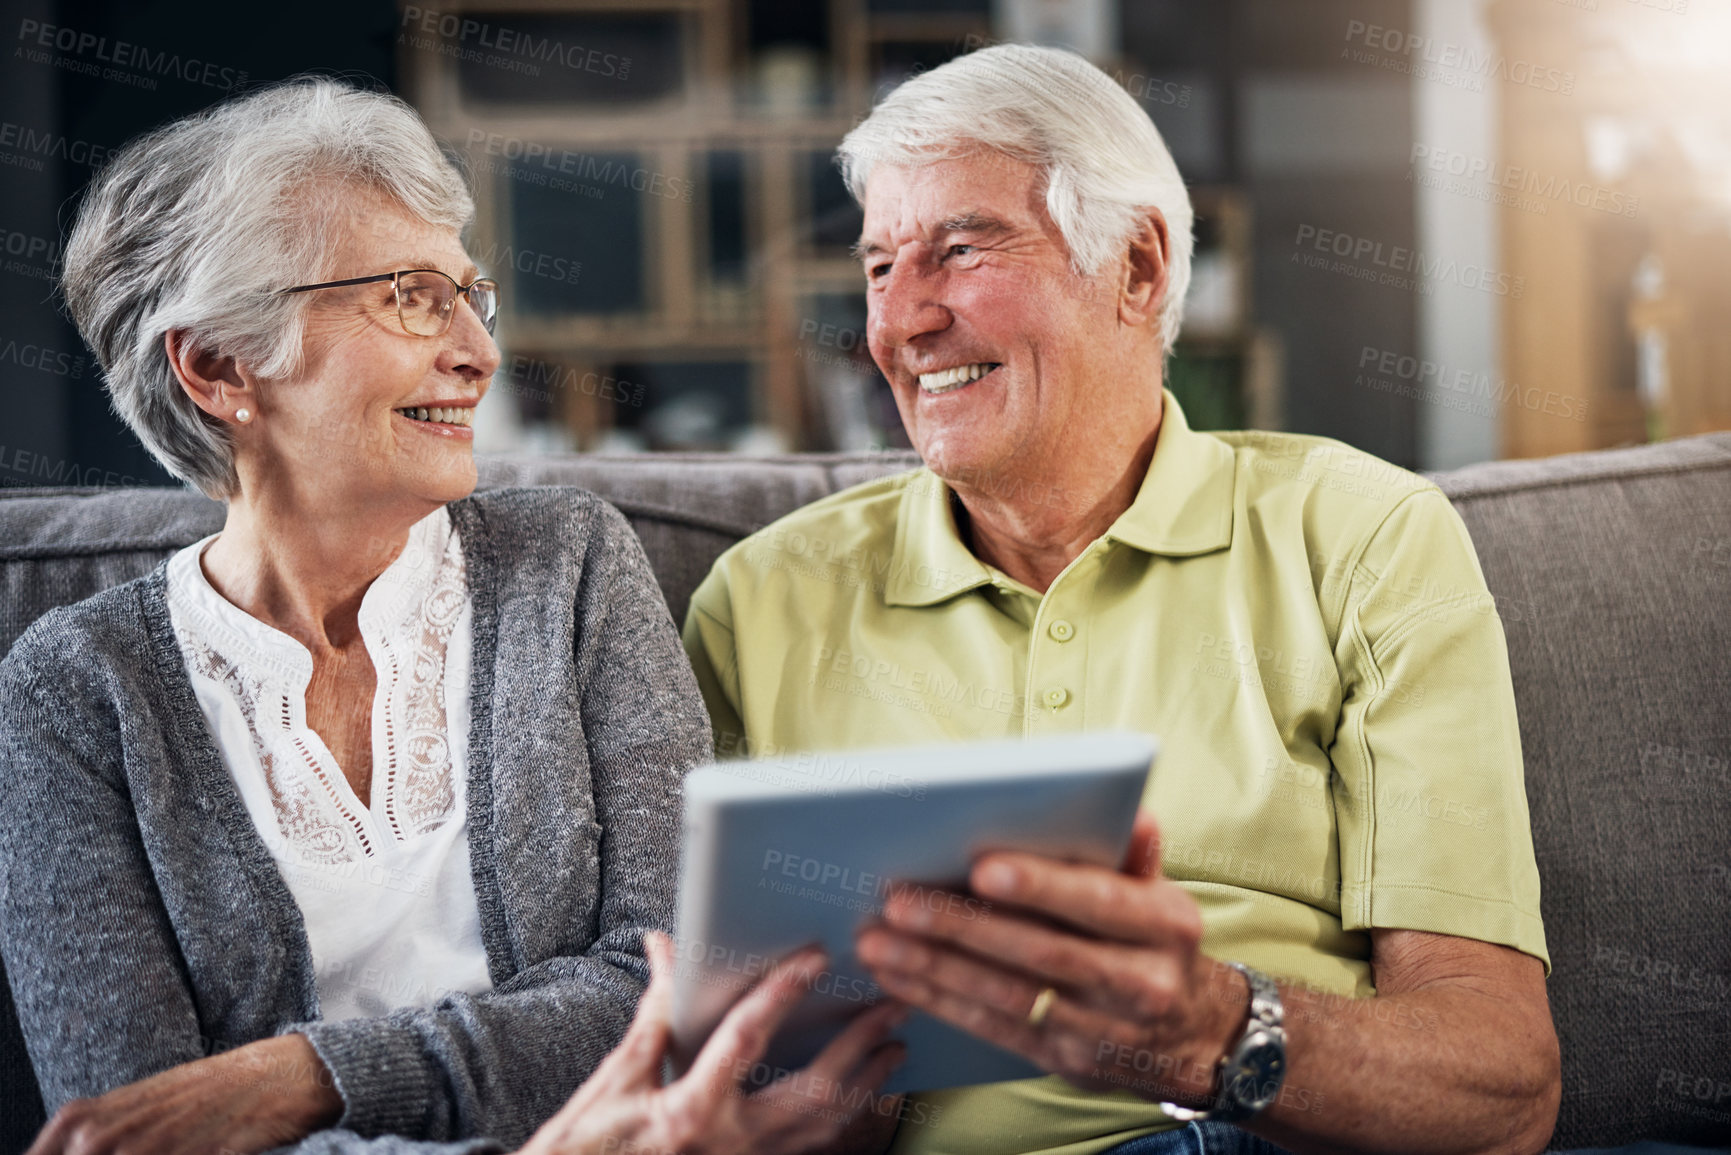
{"x": 1612, "y": 573}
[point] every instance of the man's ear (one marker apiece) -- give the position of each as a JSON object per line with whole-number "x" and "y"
{"x": 1143, "y": 291}
{"x": 214, "y": 381}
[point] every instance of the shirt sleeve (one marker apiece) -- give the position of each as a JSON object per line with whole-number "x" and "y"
{"x": 498, "y": 1064}
{"x": 710, "y": 647}
{"x": 1431, "y": 798}
{"x": 96, "y": 973}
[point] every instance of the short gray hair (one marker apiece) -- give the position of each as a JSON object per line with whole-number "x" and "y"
{"x": 1102, "y": 158}
{"x": 193, "y": 226}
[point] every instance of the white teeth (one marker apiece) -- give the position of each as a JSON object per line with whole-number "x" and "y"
{"x": 441, "y": 415}
{"x": 945, "y": 380}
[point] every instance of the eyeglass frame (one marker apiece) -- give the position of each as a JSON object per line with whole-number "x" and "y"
{"x": 397, "y": 293}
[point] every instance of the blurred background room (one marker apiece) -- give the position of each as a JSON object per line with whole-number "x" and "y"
{"x": 1444, "y": 231}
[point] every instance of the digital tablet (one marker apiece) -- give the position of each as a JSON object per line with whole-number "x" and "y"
{"x": 780, "y": 853}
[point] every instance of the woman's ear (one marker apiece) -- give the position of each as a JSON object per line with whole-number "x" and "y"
{"x": 1143, "y": 292}
{"x": 214, "y": 381}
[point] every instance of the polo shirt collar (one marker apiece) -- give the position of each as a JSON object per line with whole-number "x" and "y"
{"x": 1183, "y": 508}
{"x": 930, "y": 563}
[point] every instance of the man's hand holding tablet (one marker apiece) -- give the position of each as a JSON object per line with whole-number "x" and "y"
{"x": 1084, "y": 966}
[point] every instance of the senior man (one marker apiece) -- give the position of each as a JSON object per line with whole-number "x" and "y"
{"x": 1333, "y": 942}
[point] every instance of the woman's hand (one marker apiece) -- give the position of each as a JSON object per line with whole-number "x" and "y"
{"x": 253, "y": 1098}
{"x": 623, "y": 1109}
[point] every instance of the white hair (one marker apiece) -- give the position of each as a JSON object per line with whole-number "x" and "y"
{"x": 1103, "y": 160}
{"x": 196, "y": 225}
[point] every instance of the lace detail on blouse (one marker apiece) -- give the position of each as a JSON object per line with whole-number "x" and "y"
{"x": 417, "y": 785}
{"x": 319, "y": 826}
{"x": 424, "y": 592}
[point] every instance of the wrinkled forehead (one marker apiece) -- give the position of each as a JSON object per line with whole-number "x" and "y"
{"x": 374, "y": 233}
{"x": 918, "y": 201}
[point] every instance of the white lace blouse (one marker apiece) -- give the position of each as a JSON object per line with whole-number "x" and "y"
{"x": 384, "y": 889}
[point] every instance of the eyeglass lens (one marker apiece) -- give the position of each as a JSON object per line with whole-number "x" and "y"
{"x": 426, "y": 301}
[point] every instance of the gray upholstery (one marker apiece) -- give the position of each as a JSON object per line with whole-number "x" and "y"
{"x": 1613, "y": 574}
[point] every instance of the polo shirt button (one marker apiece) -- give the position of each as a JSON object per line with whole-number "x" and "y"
{"x": 1061, "y": 630}
{"x": 1057, "y": 696}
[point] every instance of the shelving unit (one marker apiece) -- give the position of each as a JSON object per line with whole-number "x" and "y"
{"x": 707, "y": 298}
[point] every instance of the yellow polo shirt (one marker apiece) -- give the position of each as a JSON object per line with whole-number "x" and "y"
{"x": 1305, "y": 628}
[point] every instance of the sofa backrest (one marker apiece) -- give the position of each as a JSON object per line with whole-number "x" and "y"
{"x": 58, "y": 546}
{"x": 1612, "y": 572}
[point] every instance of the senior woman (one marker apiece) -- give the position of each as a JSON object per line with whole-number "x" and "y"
{"x": 349, "y": 821}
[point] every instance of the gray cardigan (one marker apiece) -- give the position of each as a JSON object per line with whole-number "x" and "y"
{"x": 144, "y": 924}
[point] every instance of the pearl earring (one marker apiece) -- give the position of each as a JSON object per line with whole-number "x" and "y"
{"x": 243, "y": 415}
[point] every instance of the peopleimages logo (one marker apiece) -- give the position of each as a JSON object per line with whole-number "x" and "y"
{"x": 548, "y": 266}
{"x": 38, "y": 39}
{"x": 1148, "y": 89}
{"x": 1532, "y": 183}
{"x": 48, "y": 144}
{"x": 29, "y": 249}
{"x": 31, "y": 356}
{"x": 1434, "y": 380}
{"x": 1428, "y": 58}
{"x": 502, "y": 41}
{"x": 24, "y": 467}
{"x": 1392, "y": 264}
{"x": 526, "y": 155}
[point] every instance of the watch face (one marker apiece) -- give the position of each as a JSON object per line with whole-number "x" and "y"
{"x": 1254, "y": 1078}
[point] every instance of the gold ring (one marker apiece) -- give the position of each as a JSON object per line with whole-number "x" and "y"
{"x": 1042, "y": 1006}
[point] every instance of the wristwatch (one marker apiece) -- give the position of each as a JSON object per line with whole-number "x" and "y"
{"x": 1252, "y": 1071}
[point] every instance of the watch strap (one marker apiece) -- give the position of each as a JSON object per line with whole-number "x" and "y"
{"x": 1264, "y": 1038}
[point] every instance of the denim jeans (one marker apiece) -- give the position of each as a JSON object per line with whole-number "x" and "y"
{"x": 1198, "y": 1139}
{"x": 1225, "y": 1139}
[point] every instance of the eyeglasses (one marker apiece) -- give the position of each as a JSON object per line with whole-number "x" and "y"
{"x": 427, "y": 298}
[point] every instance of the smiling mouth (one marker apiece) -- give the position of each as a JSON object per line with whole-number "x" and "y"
{"x": 947, "y": 380}
{"x": 448, "y": 415}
